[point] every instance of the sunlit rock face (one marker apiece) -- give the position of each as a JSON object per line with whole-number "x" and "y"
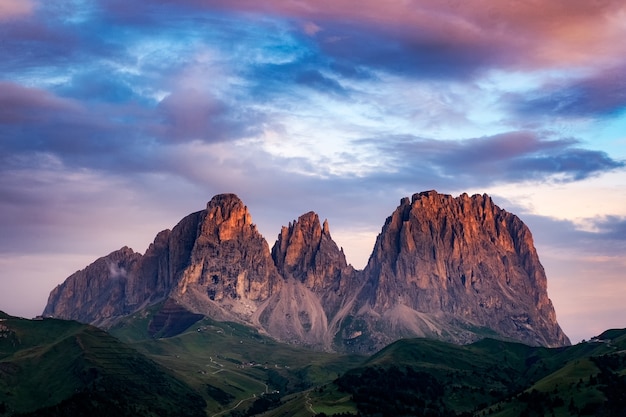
{"x": 306, "y": 252}
{"x": 214, "y": 261}
{"x": 317, "y": 281}
{"x": 230, "y": 267}
{"x": 450, "y": 268}
{"x": 456, "y": 269}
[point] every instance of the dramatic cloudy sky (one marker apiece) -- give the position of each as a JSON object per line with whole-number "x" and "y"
{"x": 119, "y": 117}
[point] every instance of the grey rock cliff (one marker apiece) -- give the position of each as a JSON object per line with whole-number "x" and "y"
{"x": 306, "y": 252}
{"x": 97, "y": 293}
{"x": 316, "y": 278}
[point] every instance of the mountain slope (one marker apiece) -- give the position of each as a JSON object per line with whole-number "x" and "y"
{"x": 54, "y": 367}
{"x": 490, "y": 377}
{"x": 59, "y": 368}
{"x": 228, "y": 363}
{"x": 455, "y": 269}
{"x": 450, "y": 268}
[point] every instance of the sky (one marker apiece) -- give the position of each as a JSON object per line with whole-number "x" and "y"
{"x": 118, "y": 118}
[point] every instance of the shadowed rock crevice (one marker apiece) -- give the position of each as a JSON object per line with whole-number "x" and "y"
{"x": 171, "y": 319}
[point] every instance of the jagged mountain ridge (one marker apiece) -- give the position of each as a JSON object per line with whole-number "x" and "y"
{"x": 449, "y": 268}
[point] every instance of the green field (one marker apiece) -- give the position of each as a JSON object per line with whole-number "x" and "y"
{"x": 54, "y": 367}
{"x": 62, "y": 368}
{"x": 237, "y": 363}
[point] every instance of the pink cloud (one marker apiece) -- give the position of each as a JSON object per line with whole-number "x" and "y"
{"x": 11, "y": 9}
{"x": 21, "y": 104}
{"x": 526, "y": 34}
{"x": 311, "y": 28}
{"x": 189, "y": 114}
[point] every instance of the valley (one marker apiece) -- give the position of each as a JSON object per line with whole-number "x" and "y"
{"x": 51, "y": 367}
{"x": 450, "y": 317}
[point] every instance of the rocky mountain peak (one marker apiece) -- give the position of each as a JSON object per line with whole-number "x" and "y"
{"x": 316, "y": 277}
{"x": 306, "y": 252}
{"x": 230, "y": 263}
{"x": 227, "y": 218}
{"x": 464, "y": 258}
{"x": 96, "y": 293}
{"x": 451, "y": 268}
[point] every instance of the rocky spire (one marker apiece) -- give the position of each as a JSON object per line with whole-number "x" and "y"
{"x": 230, "y": 261}
{"x": 306, "y": 252}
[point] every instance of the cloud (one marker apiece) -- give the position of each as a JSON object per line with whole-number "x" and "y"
{"x": 43, "y": 40}
{"x": 600, "y": 94}
{"x": 100, "y": 85}
{"x": 311, "y": 28}
{"x": 512, "y": 156}
{"x": 434, "y": 38}
{"x": 12, "y": 9}
{"x": 34, "y": 120}
{"x": 125, "y": 137}
{"x": 319, "y": 82}
{"x": 600, "y": 235}
{"x": 609, "y": 228}
{"x": 20, "y": 105}
{"x": 191, "y": 114}
{"x": 116, "y": 272}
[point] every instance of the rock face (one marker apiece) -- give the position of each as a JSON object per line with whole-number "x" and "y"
{"x": 171, "y": 319}
{"x": 450, "y": 268}
{"x": 307, "y": 253}
{"x": 230, "y": 269}
{"x": 98, "y": 292}
{"x": 456, "y": 269}
{"x": 316, "y": 282}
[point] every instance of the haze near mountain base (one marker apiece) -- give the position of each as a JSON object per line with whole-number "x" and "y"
{"x": 454, "y": 269}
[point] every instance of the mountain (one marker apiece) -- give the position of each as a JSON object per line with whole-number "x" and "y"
{"x": 449, "y": 268}
{"x": 231, "y": 364}
{"x": 455, "y": 269}
{"x": 317, "y": 284}
{"x": 60, "y": 368}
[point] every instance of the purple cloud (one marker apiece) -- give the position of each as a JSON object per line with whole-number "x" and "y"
{"x": 597, "y": 95}
{"x": 424, "y": 38}
{"x": 126, "y": 137}
{"x": 414, "y": 52}
{"x": 513, "y": 156}
{"x": 34, "y": 120}
{"x": 20, "y": 105}
{"x": 610, "y": 228}
{"x": 192, "y": 114}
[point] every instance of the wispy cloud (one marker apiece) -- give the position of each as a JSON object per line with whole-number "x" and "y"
{"x": 511, "y": 156}
{"x": 469, "y": 34}
{"x": 342, "y": 107}
{"x": 600, "y": 94}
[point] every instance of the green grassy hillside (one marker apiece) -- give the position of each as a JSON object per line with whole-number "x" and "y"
{"x": 232, "y": 366}
{"x": 425, "y": 377}
{"x": 60, "y": 368}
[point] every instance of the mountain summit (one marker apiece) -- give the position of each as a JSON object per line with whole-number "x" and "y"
{"x": 455, "y": 269}
{"x": 449, "y": 268}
